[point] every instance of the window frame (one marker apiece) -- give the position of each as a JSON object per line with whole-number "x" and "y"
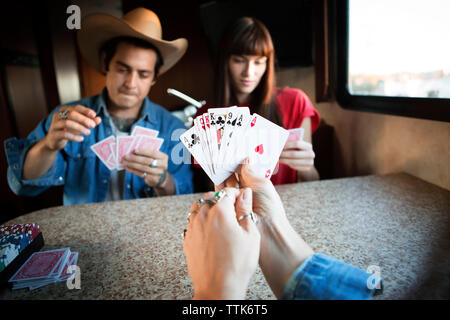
{"x": 424, "y": 108}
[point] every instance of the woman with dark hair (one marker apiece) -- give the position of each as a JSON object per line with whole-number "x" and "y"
{"x": 245, "y": 76}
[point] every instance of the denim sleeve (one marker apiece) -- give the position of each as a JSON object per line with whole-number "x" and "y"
{"x": 16, "y": 150}
{"x": 324, "y": 277}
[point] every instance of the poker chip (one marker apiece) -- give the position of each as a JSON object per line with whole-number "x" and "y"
{"x": 32, "y": 229}
{"x": 8, "y": 252}
{"x": 17, "y": 243}
{"x": 22, "y": 240}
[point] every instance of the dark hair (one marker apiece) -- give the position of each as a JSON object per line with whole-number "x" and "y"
{"x": 247, "y": 36}
{"x": 109, "y": 49}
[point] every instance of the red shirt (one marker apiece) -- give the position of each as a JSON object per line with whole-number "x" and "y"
{"x": 293, "y": 106}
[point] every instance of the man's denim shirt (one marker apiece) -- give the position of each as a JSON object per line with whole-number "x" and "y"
{"x": 326, "y": 278}
{"x": 85, "y": 178}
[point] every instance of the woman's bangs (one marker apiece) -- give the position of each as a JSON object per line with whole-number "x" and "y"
{"x": 253, "y": 43}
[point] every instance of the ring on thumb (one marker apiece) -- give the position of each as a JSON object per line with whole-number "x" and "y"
{"x": 244, "y": 202}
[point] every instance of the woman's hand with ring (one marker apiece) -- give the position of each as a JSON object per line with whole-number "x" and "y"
{"x": 282, "y": 248}
{"x": 221, "y": 253}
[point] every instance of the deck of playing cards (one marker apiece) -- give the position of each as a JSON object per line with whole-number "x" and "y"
{"x": 222, "y": 138}
{"x": 43, "y": 268}
{"x": 111, "y": 150}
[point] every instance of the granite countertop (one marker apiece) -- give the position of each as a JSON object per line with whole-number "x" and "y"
{"x": 133, "y": 249}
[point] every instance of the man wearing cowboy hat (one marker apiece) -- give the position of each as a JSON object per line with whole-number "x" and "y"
{"x": 131, "y": 53}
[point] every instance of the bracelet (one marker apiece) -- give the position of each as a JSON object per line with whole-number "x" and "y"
{"x": 161, "y": 179}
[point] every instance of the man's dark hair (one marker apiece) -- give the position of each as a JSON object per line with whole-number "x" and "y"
{"x": 109, "y": 49}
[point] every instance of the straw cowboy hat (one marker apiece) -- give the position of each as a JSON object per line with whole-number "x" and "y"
{"x": 98, "y": 28}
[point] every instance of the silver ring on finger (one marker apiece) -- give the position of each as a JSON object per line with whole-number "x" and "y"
{"x": 202, "y": 201}
{"x": 154, "y": 163}
{"x": 219, "y": 195}
{"x": 144, "y": 175}
{"x": 191, "y": 213}
{"x": 250, "y": 215}
{"x": 64, "y": 114}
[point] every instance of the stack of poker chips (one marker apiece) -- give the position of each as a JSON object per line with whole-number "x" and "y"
{"x": 32, "y": 229}
{"x": 8, "y": 252}
{"x": 14, "y": 239}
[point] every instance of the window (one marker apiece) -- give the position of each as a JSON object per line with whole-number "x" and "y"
{"x": 393, "y": 57}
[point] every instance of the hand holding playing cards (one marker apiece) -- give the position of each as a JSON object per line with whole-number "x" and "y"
{"x": 70, "y": 124}
{"x": 148, "y": 164}
{"x": 266, "y": 201}
{"x": 282, "y": 249}
{"x": 298, "y": 155}
{"x": 222, "y": 253}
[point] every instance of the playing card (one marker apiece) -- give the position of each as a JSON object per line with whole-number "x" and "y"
{"x": 228, "y": 128}
{"x": 150, "y": 143}
{"x": 73, "y": 259}
{"x": 266, "y": 142}
{"x": 218, "y": 117}
{"x": 191, "y": 141}
{"x": 141, "y": 131}
{"x": 113, "y": 158}
{"x": 136, "y": 142}
{"x": 234, "y": 132}
{"x": 123, "y": 146}
{"x": 199, "y": 124}
{"x": 34, "y": 284}
{"x": 296, "y": 134}
{"x": 62, "y": 262}
{"x": 208, "y": 131}
{"x": 40, "y": 265}
{"x": 41, "y": 284}
{"x": 103, "y": 151}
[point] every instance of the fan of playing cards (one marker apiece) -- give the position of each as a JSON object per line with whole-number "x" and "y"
{"x": 221, "y": 139}
{"x": 111, "y": 150}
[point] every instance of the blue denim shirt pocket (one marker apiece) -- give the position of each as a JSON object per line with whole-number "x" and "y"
{"x": 77, "y": 151}
{"x": 80, "y": 179}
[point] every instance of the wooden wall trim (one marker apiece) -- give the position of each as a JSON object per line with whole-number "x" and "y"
{"x": 321, "y": 59}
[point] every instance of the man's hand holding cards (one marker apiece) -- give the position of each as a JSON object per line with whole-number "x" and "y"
{"x": 112, "y": 150}
{"x": 223, "y": 138}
